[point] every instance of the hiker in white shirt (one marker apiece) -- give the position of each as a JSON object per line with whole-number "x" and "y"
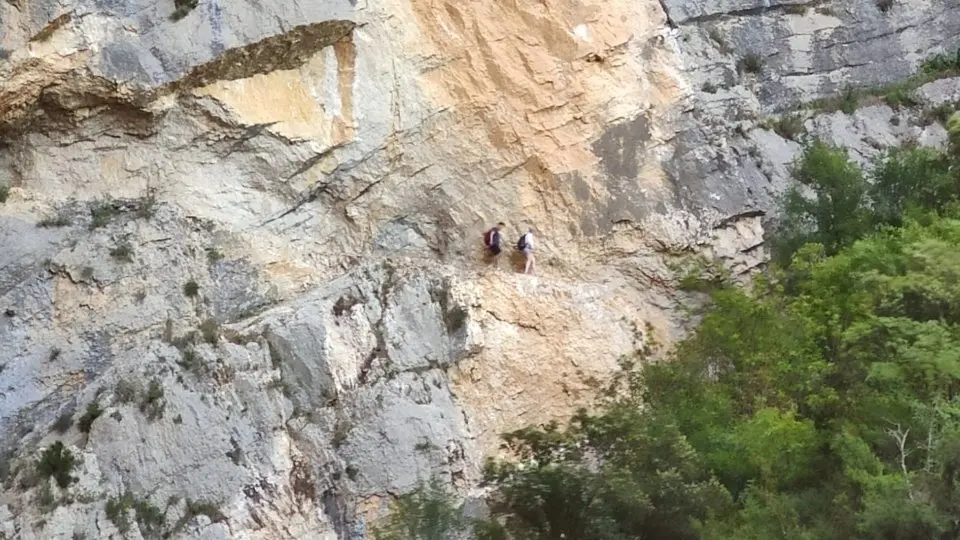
{"x": 526, "y": 245}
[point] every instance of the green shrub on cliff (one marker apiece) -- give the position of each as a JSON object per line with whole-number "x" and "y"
{"x": 824, "y": 404}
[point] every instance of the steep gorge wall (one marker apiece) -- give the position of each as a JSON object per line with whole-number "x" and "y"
{"x": 323, "y": 172}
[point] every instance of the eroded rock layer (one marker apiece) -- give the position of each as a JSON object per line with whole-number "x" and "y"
{"x": 250, "y": 233}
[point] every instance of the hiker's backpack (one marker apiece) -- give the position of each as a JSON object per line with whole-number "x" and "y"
{"x": 522, "y": 243}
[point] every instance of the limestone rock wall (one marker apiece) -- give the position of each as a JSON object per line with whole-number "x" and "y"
{"x": 251, "y": 235}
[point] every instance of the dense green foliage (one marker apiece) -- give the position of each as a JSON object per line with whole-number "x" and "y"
{"x": 57, "y": 462}
{"x": 429, "y": 513}
{"x": 822, "y": 404}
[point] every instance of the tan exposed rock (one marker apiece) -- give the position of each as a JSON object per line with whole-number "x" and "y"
{"x": 323, "y": 173}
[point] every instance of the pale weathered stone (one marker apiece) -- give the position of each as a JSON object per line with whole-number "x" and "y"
{"x": 275, "y": 215}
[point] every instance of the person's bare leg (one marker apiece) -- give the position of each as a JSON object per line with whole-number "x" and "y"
{"x": 527, "y": 264}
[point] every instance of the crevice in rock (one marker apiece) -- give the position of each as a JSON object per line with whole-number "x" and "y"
{"x": 737, "y": 217}
{"x": 52, "y": 27}
{"x": 746, "y": 12}
{"x": 60, "y": 100}
{"x": 289, "y": 50}
{"x": 62, "y": 104}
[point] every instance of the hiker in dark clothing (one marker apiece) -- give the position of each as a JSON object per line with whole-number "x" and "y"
{"x": 491, "y": 239}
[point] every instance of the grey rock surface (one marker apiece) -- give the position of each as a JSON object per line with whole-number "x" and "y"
{"x": 260, "y": 254}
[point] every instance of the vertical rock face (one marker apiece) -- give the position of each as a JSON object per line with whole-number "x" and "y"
{"x": 258, "y": 248}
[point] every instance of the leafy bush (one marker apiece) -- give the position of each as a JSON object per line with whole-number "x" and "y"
{"x": 191, "y": 361}
{"x": 210, "y": 330}
{"x": 60, "y": 219}
{"x": 153, "y": 402}
{"x": 917, "y": 178}
{"x": 427, "y": 513}
{"x": 827, "y": 411}
{"x": 750, "y": 63}
{"x": 182, "y": 8}
{"x": 901, "y": 95}
{"x": 834, "y": 215}
{"x": 789, "y": 126}
{"x": 57, "y": 462}
{"x": 191, "y": 289}
{"x": 147, "y": 205}
{"x": 849, "y": 99}
{"x": 123, "y": 251}
{"x": 832, "y": 205}
{"x": 953, "y": 131}
{"x": 4, "y": 193}
{"x": 148, "y": 516}
{"x": 213, "y": 255}
{"x": 102, "y": 213}
{"x": 125, "y": 391}
{"x": 89, "y": 416}
{"x": 46, "y": 499}
{"x": 821, "y": 405}
{"x": 204, "y": 508}
{"x": 796, "y": 9}
{"x": 942, "y": 64}
{"x": 117, "y": 509}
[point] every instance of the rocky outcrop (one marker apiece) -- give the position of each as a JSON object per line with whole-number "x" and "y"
{"x": 250, "y": 233}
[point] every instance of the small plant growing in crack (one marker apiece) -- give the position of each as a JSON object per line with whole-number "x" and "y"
{"x": 424, "y": 446}
{"x": 57, "y": 462}
{"x": 102, "y": 213}
{"x": 722, "y": 45}
{"x": 210, "y": 330}
{"x": 147, "y": 205}
{"x": 796, "y": 9}
{"x": 59, "y": 219}
{"x": 125, "y": 391}
{"x": 191, "y": 361}
{"x": 123, "y": 251}
{"x": 341, "y": 430}
{"x": 213, "y": 255}
{"x": 54, "y": 354}
{"x": 750, "y": 63}
{"x": 236, "y": 454}
{"x": 148, "y": 516}
{"x": 182, "y": 8}
{"x": 85, "y": 423}
{"x": 204, "y": 508}
{"x": 46, "y": 500}
{"x": 191, "y": 289}
{"x": 153, "y": 402}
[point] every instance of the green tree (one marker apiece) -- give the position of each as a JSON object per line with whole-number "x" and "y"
{"x": 427, "y": 513}
{"x": 826, "y": 206}
{"x": 911, "y": 181}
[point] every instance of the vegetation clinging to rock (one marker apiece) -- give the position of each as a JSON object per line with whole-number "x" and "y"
{"x": 821, "y": 404}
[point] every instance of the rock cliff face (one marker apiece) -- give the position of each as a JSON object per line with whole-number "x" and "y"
{"x": 247, "y": 236}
